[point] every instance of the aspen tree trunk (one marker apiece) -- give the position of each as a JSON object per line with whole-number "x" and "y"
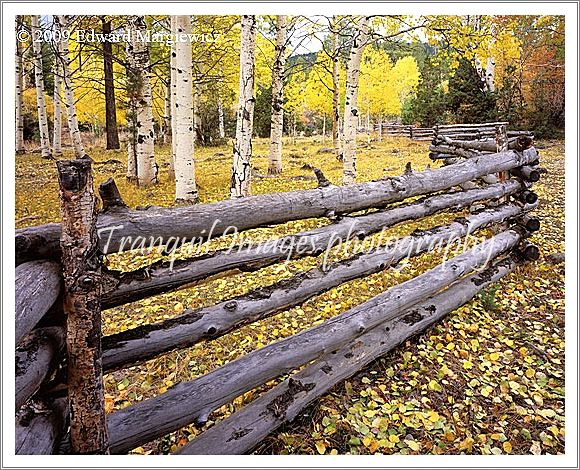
{"x": 221, "y": 122}
{"x": 19, "y": 82}
{"x": 335, "y": 95}
{"x": 197, "y": 135}
{"x": 241, "y": 169}
{"x": 490, "y": 74}
{"x": 70, "y": 104}
{"x": 139, "y": 89}
{"x": 323, "y": 128}
{"x": 173, "y": 99}
{"x": 110, "y": 105}
{"x": 277, "y": 121}
{"x": 222, "y": 128}
{"x": 57, "y": 95}
{"x": 166, "y": 113}
{"x": 57, "y": 119}
{"x": 368, "y": 124}
{"x": 351, "y": 114}
{"x": 40, "y": 99}
{"x": 185, "y": 188}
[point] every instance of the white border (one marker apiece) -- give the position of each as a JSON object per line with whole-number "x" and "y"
{"x": 307, "y": 8}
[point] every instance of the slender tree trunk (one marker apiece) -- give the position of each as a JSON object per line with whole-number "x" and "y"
{"x": 380, "y": 129}
{"x": 40, "y": 99}
{"x": 221, "y": 123}
{"x": 57, "y": 100}
{"x": 139, "y": 89}
{"x": 335, "y": 94}
{"x": 19, "y": 81}
{"x": 222, "y": 128}
{"x": 173, "y": 100}
{"x": 490, "y": 74}
{"x": 196, "y": 113}
{"x": 110, "y": 105}
{"x": 323, "y": 128}
{"x": 70, "y": 104}
{"x": 277, "y": 121}
{"x": 166, "y": 113}
{"x": 351, "y": 114}
{"x": 241, "y": 169}
{"x": 368, "y": 124}
{"x": 185, "y": 188}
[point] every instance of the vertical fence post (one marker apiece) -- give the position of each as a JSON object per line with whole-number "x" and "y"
{"x": 81, "y": 272}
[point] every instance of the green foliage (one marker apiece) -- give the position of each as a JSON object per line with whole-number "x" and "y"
{"x": 487, "y": 298}
{"x": 426, "y": 107}
{"x": 263, "y": 111}
{"x": 466, "y": 100}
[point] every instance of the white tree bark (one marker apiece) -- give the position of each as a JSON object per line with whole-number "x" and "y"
{"x": 335, "y": 93}
{"x": 196, "y": 112}
{"x": 490, "y": 74}
{"x": 173, "y": 98}
{"x": 222, "y": 127}
{"x": 57, "y": 94}
{"x": 241, "y": 169}
{"x": 166, "y": 114}
{"x": 40, "y": 99}
{"x": 351, "y": 97}
{"x": 57, "y": 119}
{"x": 70, "y": 103}
{"x": 19, "y": 82}
{"x": 140, "y": 93}
{"x": 185, "y": 188}
{"x": 277, "y": 120}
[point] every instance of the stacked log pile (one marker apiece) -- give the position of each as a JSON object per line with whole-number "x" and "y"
{"x": 333, "y": 350}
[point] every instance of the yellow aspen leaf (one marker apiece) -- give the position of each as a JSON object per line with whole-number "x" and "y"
{"x": 467, "y": 364}
{"x": 507, "y": 447}
{"x": 394, "y": 438}
{"x": 466, "y": 444}
{"x": 320, "y": 447}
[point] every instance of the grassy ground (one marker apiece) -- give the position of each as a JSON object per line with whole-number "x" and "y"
{"x": 488, "y": 379}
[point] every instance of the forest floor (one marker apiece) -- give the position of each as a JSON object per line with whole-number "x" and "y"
{"x": 489, "y": 379}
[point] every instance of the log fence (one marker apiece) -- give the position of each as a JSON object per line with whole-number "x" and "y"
{"x": 61, "y": 287}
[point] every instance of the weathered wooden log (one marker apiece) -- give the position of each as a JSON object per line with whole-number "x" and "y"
{"x": 82, "y": 307}
{"x": 470, "y": 126}
{"x": 36, "y": 357}
{"x": 556, "y": 258}
{"x": 38, "y": 285}
{"x": 38, "y": 242}
{"x": 158, "y": 226}
{"x": 458, "y": 152}
{"x": 162, "y": 277}
{"x": 531, "y": 224}
{"x": 193, "y": 401}
{"x": 527, "y": 197}
{"x": 489, "y": 145}
{"x": 40, "y": 427}
{"x": 528, "y": 251}
{"x": 527, "y": 173}
{"x": 469, "y": 135}
{"x": 147, "y": 341}
{"x": 243, "y": 430}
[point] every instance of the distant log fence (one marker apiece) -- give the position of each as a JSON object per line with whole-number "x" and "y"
{"x": 480, "y": 131}
{"x": 51, "y": 399}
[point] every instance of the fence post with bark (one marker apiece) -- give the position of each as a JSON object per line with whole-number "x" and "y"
{"x": 59, "y": 369}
